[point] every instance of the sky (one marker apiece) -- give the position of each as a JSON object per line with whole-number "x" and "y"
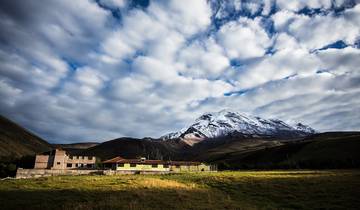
{"x": 95, "y": 70}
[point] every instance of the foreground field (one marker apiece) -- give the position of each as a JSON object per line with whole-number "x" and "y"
{"x": 222, "y": 190}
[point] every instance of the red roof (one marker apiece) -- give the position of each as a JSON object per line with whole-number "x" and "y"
{"x": 142, "y": 161}
{"x": 114, "y": 160}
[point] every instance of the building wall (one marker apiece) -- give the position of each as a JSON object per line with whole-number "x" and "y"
{"x": 41, "y": 161}
{"x": 80, "y": 161}
{"x": 125, "y": 172}
{"x": 189, "y": 168}
{"x": 160, "y": 167}
{"x": 60, "y": 160}
{"x": 34, "y": 173}
{"x": 142, "y": 167}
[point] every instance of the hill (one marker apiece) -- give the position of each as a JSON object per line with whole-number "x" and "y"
{"x": 16, "y": 141}
{"x": 82, "y": 145}
{"x": 132, "y": 147}
{"x": 76, "y": 148}
{"x": 325, "y": 150}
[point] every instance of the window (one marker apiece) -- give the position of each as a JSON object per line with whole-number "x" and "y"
{"x": 132, "y": 165}
{"x": 70, "y": 157}
{"x": 76, "y": 165}
{"x": 120, "y": 164}
{"x": 58, "y": 163}
{"x": 69, "y": 165}
{"x": 166, "y": 166}
{"x": 90, "y": 157}
{"x": 154, "y": 165}
{"x": 81, "y": 165}
{"x": 177, "y": 166}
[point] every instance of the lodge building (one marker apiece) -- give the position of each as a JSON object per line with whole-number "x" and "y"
{"x": 59, "y": 159}
{"x": 142, "y": 164}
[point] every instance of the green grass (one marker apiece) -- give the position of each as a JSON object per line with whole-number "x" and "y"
{"x": 336, "y": 189}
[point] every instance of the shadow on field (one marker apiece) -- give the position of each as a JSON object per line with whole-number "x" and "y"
{"x": 292, "y": 189}
{"x": 119, "y": 199}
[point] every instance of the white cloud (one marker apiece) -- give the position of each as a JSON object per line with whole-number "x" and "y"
{"x": 267, "y": 7}
{"x": 313, "y": 32}
{"x": 341, "y": 61}
{"x": 289, "y": 60}
{"x": 298, "y": 5}
{"x": 204, "y": 59}
{"x": 182, "y": 17}
{"x": 114, "y": 3}
{"x": 90, "y": 77}
{"x": 95, "y": 77}
{"x": 9, "y": 92}
{"x": 282, "y": 19}
{"x": 244, "y": 39}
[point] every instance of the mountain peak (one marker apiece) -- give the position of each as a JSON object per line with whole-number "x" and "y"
{"x": 225, "y": 122}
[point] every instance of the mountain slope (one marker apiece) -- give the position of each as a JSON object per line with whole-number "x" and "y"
{"x": 132, "y": 148}
{"x": 325, "y": 150}
{"x": 81, "y": 145}
{"x": 76, "y": 148}
{"x": 15, "y": 141}
{"x": 218, "y": 124}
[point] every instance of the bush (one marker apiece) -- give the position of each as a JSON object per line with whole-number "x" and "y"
{"x": 7, "y": 169}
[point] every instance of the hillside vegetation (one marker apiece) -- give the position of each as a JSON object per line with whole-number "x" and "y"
{"x": 15, "y": 141}
{"x": 222, "y": 190}
{"x": 326, "y": 150}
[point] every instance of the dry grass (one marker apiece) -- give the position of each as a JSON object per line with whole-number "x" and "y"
{"x": 223, "y": 190}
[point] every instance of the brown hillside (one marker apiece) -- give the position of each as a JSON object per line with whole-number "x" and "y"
{"x": 16, "y": 141}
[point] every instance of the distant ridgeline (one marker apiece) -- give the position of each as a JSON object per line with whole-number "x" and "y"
{"x": 231, "y": 150}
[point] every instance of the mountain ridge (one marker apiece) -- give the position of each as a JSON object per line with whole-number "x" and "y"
{"x": 217, "y": 124}
{"x": 232, "y": 151}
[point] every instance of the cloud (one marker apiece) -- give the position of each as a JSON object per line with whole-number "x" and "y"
{"x": 97, "y": 70}
{"x": 114, "y": 3}
{"x": 204, "y": 59}
{"x": 244, "y": 39}
{"x": 313, "y": 32}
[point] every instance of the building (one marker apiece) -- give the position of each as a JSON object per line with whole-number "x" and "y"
{"x": 142, "y": 164}
{"x": 59, "y": 159}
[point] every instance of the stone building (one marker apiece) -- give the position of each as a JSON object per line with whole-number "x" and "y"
{"x": 144, "y": 165}
{"x": 59, "y": 159}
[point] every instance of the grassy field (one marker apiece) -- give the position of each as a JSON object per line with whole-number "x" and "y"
{"x": 222, "y": 190}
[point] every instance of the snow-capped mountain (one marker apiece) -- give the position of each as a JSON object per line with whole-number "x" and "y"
{"x": 218, "y": 124}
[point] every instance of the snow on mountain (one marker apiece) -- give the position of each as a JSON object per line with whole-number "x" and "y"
{"x": 172, "y": 135}
{"x": 217, "y": 124}
{"x": 304, "y": 128}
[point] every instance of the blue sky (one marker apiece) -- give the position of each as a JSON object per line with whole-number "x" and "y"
{"x": 89, "y": 70}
